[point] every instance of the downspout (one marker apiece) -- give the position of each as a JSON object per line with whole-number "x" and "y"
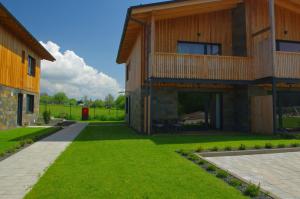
{"x": 273, "y": 44}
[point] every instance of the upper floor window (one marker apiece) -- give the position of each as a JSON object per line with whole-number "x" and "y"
{"x": 198, "y": 48}
{"x": 30, "y": 104}
{"x": 31, "y": 66}
{"x": 288, "y": 46}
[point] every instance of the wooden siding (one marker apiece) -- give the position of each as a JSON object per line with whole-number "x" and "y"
{"x": 135, "y": 66}
{"x": 13, "y": 73}
{"x": 262, "y": 114}
{"x": 212, "y": 27}
{"x": 260, "y": 37}
{"x": 287, "y": 24}
{"x": 173, "y": 65}
{"x": 287, "y": 65}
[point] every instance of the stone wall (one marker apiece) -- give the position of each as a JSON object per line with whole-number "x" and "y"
{"x": 136, "y": 107}
{"x": 165, "y": 104}
{"x": 9, "y": 108}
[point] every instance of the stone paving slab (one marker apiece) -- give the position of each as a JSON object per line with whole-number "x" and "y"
{"x": 278, "y": 173}
{"x": 21, "y": 171}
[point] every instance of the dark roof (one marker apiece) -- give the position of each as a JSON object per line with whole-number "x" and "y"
{"x": 9, "y": 21}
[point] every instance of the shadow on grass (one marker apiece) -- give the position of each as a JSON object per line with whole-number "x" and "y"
{"x": 104, "y": 133}
{"x": 37, "y": 134}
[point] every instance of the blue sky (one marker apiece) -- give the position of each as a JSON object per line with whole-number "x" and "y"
{"x": 90, "y": 28}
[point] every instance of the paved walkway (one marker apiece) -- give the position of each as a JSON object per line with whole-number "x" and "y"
{"x": 278, "y": 174}
{"x": 22, "y": 170}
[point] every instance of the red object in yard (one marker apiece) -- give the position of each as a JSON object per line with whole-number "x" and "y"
{"x": 85, "y": 113}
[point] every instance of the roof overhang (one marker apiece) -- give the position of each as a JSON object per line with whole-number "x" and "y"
{"x": 8, "y": 21}
{"x": 164, "y": 10}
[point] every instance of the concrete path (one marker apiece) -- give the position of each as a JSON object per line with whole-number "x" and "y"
{"x": 22, "y": 170}
{"x": 278, "y": 173}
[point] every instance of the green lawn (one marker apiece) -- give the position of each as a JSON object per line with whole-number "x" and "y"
{"x": 114, "y": 162}
{"x": 101, "y": 114}
{"x": 11, "y": 139}
{"x": 291, "y": 122}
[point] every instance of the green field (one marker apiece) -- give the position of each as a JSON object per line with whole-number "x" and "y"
{"x": 291, "y": 122}
{"x": 12, "y": 139}
{"x": 74, "y": 113}
{"x": 115, "y": 162}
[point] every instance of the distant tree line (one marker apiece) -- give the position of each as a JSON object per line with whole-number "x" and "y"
{"x": 61, "y": 98}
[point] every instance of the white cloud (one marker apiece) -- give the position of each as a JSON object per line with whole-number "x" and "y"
{"x": 70, "y": 74}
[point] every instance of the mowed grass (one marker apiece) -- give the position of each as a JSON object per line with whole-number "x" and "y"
{"x": 291, "y": 122}
{"x": 11, "y": 139}
{"x": 100, "y": 114}
{"x": 114, "y": 162}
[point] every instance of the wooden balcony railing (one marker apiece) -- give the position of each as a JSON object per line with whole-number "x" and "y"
{"x": 182, "y": 66}
{"x": 287, "y": 64}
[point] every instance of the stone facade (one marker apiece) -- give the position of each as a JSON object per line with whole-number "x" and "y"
{"x": 135, "y": 116}
{"x": 9, "y": 108}
{"x": 165, "y": 102}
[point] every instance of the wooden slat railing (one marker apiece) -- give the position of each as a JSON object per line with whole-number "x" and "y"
{"x": 173, "y": 65}
{"x": 287, "y": 64}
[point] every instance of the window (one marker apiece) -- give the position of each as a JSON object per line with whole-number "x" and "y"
{"x": 288, "y": 46}
{"x": 30, "y": 104}
{"x": 127, "y": 71}
{"x": 31, "y": 66}
{"x": 198, "y": 48}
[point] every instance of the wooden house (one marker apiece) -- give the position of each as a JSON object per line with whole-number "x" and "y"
{"x": 20, "y": 68}
{"x": 243, "y": 55}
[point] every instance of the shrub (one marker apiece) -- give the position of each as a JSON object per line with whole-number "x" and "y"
{"x": 47, "y": 117}
{"x": 295, "y": 145}
{"x": 184, "y": 152}
{"x": 199, "y": 149}
{"x": 242, "y": 147}
{"x": 281, "y": 146}
{"x": 215, "y": 148}
{"x": 23, "y": 143}
{"x": 29, "y": 141}
{"x": 268, "y": 145}
{"x": 228, "y": 148}
{"x": 211, "y": 168}
{"x": 200, "y": 162}
{"x": 257, "y": 147}
{"x": 235, "y": 182}
{"x": 252, "y": 190}
{"x": 192, "y": 157}
{"x": 2, "y": 154}
{"x": 222, "y": 174}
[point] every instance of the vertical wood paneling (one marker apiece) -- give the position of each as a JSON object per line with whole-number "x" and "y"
{"x": 287, "y": 24}
{"x": 13, "y": 73}
{"x": 135, "y": 61}
{"x": 259, "y": 35}
{"x": 212, "y": 27}
{"x": 287, "y": 65}
{"x": 262, "y": 114}
{"x": 173, "y": 65}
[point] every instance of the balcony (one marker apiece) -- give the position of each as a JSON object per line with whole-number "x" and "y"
{"x": 207, "y": 67}
{"x": 287, "y": 65}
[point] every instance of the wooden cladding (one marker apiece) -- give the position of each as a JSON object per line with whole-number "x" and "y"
{"x": 215, "y": 27}
{"x": 172, "y": 65}
{"x": 287, "y": 65}
{"x": 14, "y": 64}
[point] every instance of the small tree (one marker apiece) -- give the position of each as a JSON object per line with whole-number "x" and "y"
{"x": 120, "y": 102}
{"x": 47, "y": 116}
{"x": 60, "y": 98}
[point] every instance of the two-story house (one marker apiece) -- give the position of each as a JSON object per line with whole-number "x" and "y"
{"x": 241, "y": 57}
{"x": 20, "y": 59}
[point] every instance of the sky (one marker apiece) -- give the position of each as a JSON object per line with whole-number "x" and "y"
{"x": 84, "y": 35}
